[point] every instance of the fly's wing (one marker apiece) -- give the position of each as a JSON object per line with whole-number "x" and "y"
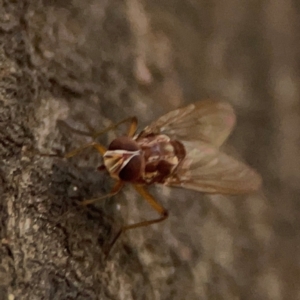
{"x": 206, "y": 169}
{"x": 208, "y": 120}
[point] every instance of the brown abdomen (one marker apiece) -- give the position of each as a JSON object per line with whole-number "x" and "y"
{"x": 162, "y": 157}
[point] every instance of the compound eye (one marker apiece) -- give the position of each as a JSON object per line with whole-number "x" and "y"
{"x": 132, "y": 171}
{"x": 123, "y": 143}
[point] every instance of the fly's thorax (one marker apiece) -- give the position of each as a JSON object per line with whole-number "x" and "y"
{"x": 162, "y": 157}
{"x": 124, "y": 159}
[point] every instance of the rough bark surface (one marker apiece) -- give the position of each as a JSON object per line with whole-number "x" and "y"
{"x": 94, "y": 62}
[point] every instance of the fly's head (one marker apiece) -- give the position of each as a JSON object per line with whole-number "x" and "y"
{"x": 124, "y": 160}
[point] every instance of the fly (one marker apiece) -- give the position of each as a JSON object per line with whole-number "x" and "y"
{"x": 180, "y": 149}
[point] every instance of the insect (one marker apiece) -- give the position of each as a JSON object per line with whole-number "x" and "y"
{"x": 180, "y": 149}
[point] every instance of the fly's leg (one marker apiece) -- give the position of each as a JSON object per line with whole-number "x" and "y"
{"x": 116, "y": 189}
{"x": 154, "y": 204}
{"x": 131, "y": 131}
{"x": 42, "y": 154}
{"x": 133, "y": 126}
{"x": 62, "y": 123}
{"x": 100, "y": 148}
{"x": 94, "y": 134}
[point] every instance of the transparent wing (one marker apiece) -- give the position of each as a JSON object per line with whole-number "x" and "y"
{"x": 208, "y": 120}
{"x": 209, "y": 170}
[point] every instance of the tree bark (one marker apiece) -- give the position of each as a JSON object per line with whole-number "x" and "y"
{"x": 91, "y": 63}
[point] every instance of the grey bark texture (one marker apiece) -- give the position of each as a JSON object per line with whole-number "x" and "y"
{"x": 94, "y": 62}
